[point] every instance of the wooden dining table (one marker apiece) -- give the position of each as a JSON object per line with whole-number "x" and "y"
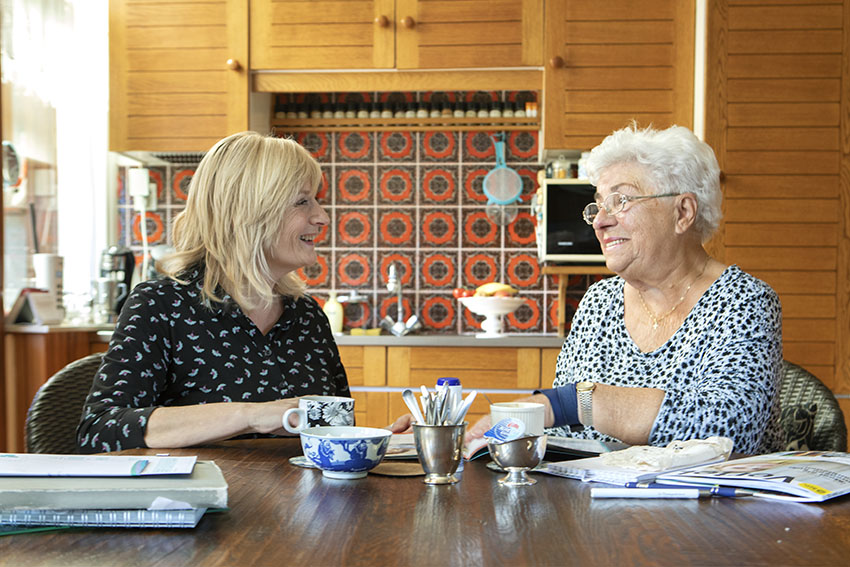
{"x": 282, "y": 514}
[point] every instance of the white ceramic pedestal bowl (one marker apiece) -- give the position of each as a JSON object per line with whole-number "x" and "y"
{"x": 345, "y": 452}
{"x": 492, "y": 308}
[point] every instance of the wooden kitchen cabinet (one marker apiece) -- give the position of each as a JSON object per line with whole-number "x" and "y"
{"x": 32, "y": 358}
{"x": 401, "y": 34}
{"x": 608, "y": 63}
{"x": 480, "y": 368}
{"x": 366, "y": 366}
{"x": 179, "y": 75}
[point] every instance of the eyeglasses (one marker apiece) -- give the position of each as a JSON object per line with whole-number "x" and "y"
{"x": 615, "y": 203}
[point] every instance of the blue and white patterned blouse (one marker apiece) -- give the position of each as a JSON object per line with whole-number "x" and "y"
{"x": 720, "y": 370}
{"x": 168, "y": 349}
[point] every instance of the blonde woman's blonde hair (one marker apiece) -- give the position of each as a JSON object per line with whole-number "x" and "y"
{"x": 238, "y": 201}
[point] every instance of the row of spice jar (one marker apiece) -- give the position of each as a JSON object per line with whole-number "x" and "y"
{"x": 352, "y": 109}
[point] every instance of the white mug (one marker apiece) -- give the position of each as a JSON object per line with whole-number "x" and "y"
{"x": 48, "y": 274}
{"x": 313, "y": 411}
{"x": 530, "y": 413}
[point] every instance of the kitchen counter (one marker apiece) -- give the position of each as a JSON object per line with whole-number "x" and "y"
{"x": 102, "y": 333}
{"x": 509, "y": 340}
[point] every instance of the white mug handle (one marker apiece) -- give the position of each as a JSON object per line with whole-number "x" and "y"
{"x": 301, "y": 414}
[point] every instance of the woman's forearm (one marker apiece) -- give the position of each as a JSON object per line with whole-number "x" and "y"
{"x": 185, "y": 426}
{"x": 626, "y": 413}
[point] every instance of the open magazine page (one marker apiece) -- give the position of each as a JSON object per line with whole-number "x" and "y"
{"x": 803, "y": 476}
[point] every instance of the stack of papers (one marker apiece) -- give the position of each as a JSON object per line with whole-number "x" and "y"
{"x": 642, "y": 463}
{"x": 96, "y": 490}
{"x": 799, "y": 476}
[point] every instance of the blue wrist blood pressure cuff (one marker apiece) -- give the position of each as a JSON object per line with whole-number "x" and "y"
{"x": 564, "y": 403}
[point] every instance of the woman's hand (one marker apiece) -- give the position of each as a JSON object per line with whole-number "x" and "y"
{"x": 478, "y": 430}
{"x": 267, "y": 417}
{"x": 404, "y": 424}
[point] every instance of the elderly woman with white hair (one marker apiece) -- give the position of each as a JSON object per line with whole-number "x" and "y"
{"x": 677, "y": 345}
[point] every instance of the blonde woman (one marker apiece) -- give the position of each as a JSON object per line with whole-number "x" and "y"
{"x": 222, "y": 345}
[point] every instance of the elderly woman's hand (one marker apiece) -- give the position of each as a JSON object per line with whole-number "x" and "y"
{"x": 404, "y": 424}
{"x": 478, "y": 430}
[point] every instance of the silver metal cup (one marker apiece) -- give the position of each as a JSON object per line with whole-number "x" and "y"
{"x": 518, "y": 456}
{"x": 440, "y": 449}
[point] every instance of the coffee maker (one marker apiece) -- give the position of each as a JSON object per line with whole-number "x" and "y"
{"x": 117, "y": 263}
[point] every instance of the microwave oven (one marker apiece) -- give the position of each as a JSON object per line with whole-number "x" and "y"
{"x": 562, "y": 234}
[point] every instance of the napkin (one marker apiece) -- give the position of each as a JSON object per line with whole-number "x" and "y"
{"x": 676, "y": 454}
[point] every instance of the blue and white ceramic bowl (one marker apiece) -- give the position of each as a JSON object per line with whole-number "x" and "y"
{"x": 345, "y": 451}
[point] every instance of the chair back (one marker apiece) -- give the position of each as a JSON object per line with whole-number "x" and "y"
{"x": 799, "y": 391}
{"x": 57, "y": 407}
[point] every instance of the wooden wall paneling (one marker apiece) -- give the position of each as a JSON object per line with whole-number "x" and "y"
{"x": 684, "y": 48}
{"x": 716, "y": 120}
{"x": 780, "y": 162}
{"x": 842, "y": 329}
{"x": 799, "y": 282}
{"x": 781, "y": 186}
{"x": 789, "y": 234}
{"x": 772, "y": 210}
{"x": 788, "y": 138}
{"x": 782, "y": 258}
{"x": 783, "y": 90}
{"x": 780, "y": 117}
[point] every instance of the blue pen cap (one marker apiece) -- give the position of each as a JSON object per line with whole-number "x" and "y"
{"x": 448, "y": 381}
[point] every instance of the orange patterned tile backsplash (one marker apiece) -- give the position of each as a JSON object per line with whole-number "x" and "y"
{"x": 413, "y": 198}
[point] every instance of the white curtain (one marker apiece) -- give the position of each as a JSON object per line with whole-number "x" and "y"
{"x": 55, "y": 111}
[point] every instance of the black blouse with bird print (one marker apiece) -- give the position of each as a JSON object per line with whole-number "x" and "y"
{"x": 171, "y": 349}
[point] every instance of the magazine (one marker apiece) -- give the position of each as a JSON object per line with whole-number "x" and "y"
{"x": 800, "y": 476}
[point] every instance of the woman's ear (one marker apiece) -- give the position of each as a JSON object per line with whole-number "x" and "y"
{"x": 686, "y": 212}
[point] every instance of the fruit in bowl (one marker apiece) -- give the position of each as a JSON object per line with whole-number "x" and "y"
{"x": 492, "y": 307}
{"x": 345, "y": 452}
{"x": 494, "y": 289}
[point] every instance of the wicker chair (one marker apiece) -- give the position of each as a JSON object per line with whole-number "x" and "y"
{"x": 801, "y": 389}
{"x": 55, "y": 412}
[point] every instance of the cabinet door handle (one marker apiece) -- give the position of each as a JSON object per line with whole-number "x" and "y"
{"x": 233, "y": 65}
{"x": 408, "y": 22}
{"x": 382, "y": 21}
{"x": 557, "y": 62}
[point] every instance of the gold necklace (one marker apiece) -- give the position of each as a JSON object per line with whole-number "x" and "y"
{"x": 656, "y": 319}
